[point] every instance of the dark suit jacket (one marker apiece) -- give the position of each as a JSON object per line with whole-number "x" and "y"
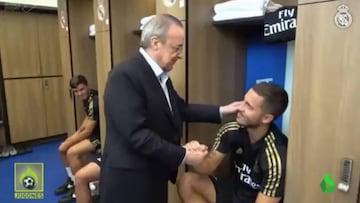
{"x": 142, "y": 134}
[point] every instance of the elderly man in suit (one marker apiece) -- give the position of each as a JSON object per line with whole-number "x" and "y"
{"x": 144, "y": 116}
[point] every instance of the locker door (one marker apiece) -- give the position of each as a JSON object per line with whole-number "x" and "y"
{"x": 83, "y": 54}
{"x": 175, "y": 8}
{"x": 18, "y": 40}
{"x": 54, "y": 97}
{"x": 25, "y": 107}
{"x": 324, "y": 125}
{"x": 65, "y": 51}
{"x": 50, "y": 59}
{"x": 103, "y": 60}
{"x": 101, "y": 15}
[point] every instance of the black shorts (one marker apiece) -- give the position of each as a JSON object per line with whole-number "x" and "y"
{"x": 223, "y": 188}
{"x": 95, "y": 141}
{"x": 95, "y": 157}
{"x": 225, "y": 192}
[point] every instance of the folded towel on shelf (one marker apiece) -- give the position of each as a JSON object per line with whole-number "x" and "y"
{"x": 146, "y": 19}
{"x": 238, "y": 15}
{"x": 271, "y": 6}
{"x": 92, "y": 30}
{"x": 236, "y": 5}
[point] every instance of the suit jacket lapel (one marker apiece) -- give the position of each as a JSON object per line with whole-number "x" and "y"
{"x": 175, "y": 110}
{"x": 164, "y": 102}
{"x": 155, "y": 83}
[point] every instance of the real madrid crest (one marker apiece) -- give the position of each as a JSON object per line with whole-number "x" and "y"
{"x": 63, "y": 23}
{"x": 101, "y": 10}
{"x": 256, "y": 167}
{"x": 169, "y": 3}
{"x": 343, "y": 18}
{"x": 239, "y": 151}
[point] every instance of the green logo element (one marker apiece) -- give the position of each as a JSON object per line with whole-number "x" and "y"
{"x": 327, "y": 184}
{"x": 29, "y": 180}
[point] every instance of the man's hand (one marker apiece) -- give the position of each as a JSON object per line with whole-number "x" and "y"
{"x": 230, "y": 109}
{"x": 193, "y": 157}
{"x": 195, "y": 152}
{"x": 195, "y": 146}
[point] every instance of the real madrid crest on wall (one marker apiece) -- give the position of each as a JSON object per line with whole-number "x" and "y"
{"x": 101, "y": 10}
{"x": 169, "y": 3}
{"x": 63, "y": 21}
{"x": 343, "y": 18}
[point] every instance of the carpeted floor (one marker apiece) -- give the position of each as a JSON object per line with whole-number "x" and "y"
{"x": 54, "y": 172}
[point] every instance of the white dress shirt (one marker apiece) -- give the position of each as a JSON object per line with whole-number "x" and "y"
{"x": 159, "y": 73}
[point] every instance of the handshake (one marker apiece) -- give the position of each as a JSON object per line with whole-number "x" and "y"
{"x": 195, "y": 152}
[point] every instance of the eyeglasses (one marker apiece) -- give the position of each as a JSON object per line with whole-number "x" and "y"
{"x": 174, "y": 48}
{"x": 177, "y": 49}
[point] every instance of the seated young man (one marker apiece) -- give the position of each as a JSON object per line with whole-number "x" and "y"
{"x": 86, "y": 139}
{"x": 86, "y": 175}
{"x": 258, "y": 154}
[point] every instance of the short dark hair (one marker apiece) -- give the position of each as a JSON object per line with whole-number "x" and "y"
{"x": 77, "y": 80}
{"x": 275, "y": 98}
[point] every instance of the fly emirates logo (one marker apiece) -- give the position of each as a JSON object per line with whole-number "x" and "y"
{"x": 244, "y": 172}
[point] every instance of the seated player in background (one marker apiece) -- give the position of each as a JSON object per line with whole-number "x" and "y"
{"x": 85, "y": 140}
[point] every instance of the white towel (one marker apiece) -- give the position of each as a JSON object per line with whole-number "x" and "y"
{"x": 92, "y": 30}
{"x": 271, "y": 7}
{"x": 146, "y": 19}
{"x": 237, "y": 15}
{"x": 240, "y": 5}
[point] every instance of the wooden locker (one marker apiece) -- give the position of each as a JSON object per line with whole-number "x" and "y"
{"x": 101, "y": 15}
{"x": 83, "y": 54}
{"x": 65, "y": 52}
{"x": 311, "y": 1}
{"x": 66, "y": 64}
{"x": 81, "y": 16}
{"x": 69, "y": 108}
{"x": 50, "y": 59}
{"x": 287, "y": 2}
{"x": 26, "y": 109}
{"x": 126, "y": 16}
{"x": 324, "y": 112}
{"x": 175, "y": 8}
{"x": 103, "y": 60}
{"x": 63, "y": 18}
{"x": 54, "y": 100}
{"x": 19, "y": 45}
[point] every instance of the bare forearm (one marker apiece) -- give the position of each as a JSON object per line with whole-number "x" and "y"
{"x": 83, "y": 134}
{"x": 204, "y": 168}
{"x": 261, "y": 198}
{"x": 210, "y": 163}
{"x": 85, "y": 130}
{"x": 79, "y": 135}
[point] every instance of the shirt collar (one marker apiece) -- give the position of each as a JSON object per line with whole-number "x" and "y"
{"x": 159, "y": 73}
